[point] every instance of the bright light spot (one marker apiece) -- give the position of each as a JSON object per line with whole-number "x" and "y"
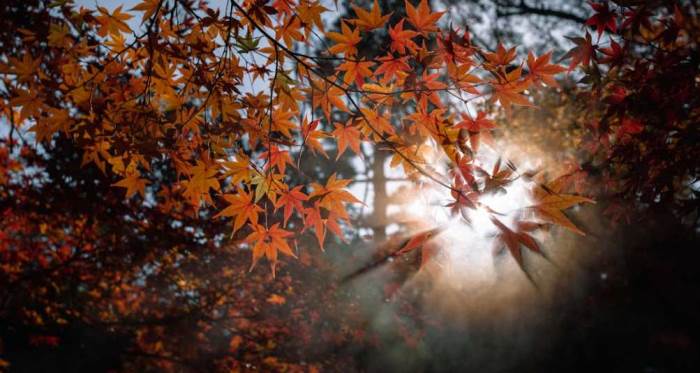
{"x": 467, "y": 245}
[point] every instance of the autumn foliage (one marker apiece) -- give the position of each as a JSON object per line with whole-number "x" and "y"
{"x": 176, "y": 116}
{"x": 175, "y": 93}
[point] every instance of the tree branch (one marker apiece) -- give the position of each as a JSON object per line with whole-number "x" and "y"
{"x": 524, "y": 9}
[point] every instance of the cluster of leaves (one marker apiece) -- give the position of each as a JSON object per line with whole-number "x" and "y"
{"x": 639, "y": 106}
{"x": 177, "y": 92}
{"x": 129, "y": 151}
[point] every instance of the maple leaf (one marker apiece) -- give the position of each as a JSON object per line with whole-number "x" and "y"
{"x": 312, "y": 136}
{"x": 419, "y": 239}
{"x": 241, "y": 206}
{"x": 289, "y": 32}
{"x": 502, "y": 56}
{"x": 513, "y": 240}
{"x": 25, "y": 68}
{"x": 356, "y": 71}
{"x": 508, "y": 90}
{"x": 478, "y": 124}
{"x": 291, "y": 200}
{"x": 284, "y": 6}
{"x": 313, "y": 219}
{"x": 370, "y": 20}
{"x": 268, "y": 242}
{"x": 281, "y": 122}
{"x": 333, "y": 194}
{"x": 497, "y": 179}
{"x": 392, "y": 67}
{"x": 421, "y": 18}
{"x": 375, "y": 123}
{"x": 427, "y": 89}
{"x": 382, "y": 95}
{"x": 310, "y": 14}
{"x": 455, "y": 49}
{"x": 239, "y": 169}
{"x": 148, "y": 7}
{"x": 202, "y": 179}
{"x": 637, "y": 18}
{"x": 96, "y": 153}
{"x": 477, "y": 127}
{"x": 133, "y": 183}
{"x": 346, "y": 41}
{"x": 276, "y": 158}
{"x": 410, "y": 157}
{"x": 401, "y": 39}
{"x": 267, "y": 184}
{"x": 614, "y": 55}
{"x": 326, "y": 97}
{"x": 398, "y": 246}
{"x": 31, "y": 105}
{"x": 113, "y": 23}
{"x": 603, "y": 18}
{"x": 461, "y": 75}
{"x": 582, "y": 53}
{"x": 541, "y": 70}
{"x": 57, "y": 35}
{"x": 347, "y": 135}
{"x": 550, "y": 203}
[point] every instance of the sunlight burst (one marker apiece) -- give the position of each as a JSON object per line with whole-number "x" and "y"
{"x": 468, "y": 240}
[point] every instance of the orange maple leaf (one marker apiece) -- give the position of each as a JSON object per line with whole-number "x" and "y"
{"x": 113, "y": 23}
{"x": 311, "y": 136}
{"x": 502, "y": 56}
{"x": 477, "y": 127}
{"x": 276, "y": 158}
{"x": 392, "y": 67}
{"x": 508, "y": 90}
{"x": 347, "y": 135}
{"x": 326, "y": 97}
{"x": 346, "y": 41}
{"x": 148, "y": 7}
{"x": 356, "y": 71}
{"x": 401, "y": 39}
{"x": 333, "y": 194}
{"x": 202, "y": 179}
{"x": 241, "y": 206}
{"x": 541, "y": 71}
{"x": 238, "y": 169}
{"x": 291, "y": 200}
{"x": 267, "y": 242}
{"x": 133, "y": 183}
{"x": 313, "y": 219}
{"x": 421, "y": 18}
{"x": 550, "y": 203}
{"x": 370, "y": 20}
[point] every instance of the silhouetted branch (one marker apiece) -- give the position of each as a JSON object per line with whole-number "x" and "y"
{"x": 522, "y": 8}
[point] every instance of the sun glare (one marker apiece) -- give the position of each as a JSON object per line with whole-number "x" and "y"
{"x": 467, "y": 242}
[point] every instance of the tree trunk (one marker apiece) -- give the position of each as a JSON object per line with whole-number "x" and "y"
{"x": 379, "y": 214}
